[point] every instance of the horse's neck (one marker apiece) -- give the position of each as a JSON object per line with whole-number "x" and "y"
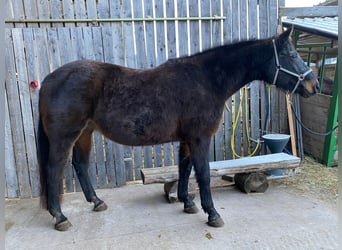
{"x": 240, "y": 64}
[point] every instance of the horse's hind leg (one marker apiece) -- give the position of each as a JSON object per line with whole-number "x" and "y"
{"x": 185, "y": 166}
{"x": 80, "y": 161}
{"x": 58, "y": 156}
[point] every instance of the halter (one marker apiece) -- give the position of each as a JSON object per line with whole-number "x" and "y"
{"x": 280, "y": 68}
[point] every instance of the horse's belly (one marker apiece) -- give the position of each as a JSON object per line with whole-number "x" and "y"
{"x": 139, "y": 132}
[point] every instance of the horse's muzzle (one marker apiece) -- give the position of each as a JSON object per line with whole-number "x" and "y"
{"x": 310, "y": 87}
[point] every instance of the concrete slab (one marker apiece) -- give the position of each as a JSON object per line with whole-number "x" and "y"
{"x": 138, "y": 217}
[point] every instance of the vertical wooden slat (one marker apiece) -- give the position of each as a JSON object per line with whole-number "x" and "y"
{"x": 183, "y": 35}
{"x": 43, "y": 12}
{"x": 194, "y": 27}
{"x": 18, "y": 12}
{"x": 111, "y": 147}
{"x": 10, "y": 169}
{"x": 80, "y": 11}
{"x": 68, "y": 11}
{"x": 254, "y": 87}
{"x": 66, "y": 56}
{"x": 9, "y": 13}
{"x": 100, "y": 143}
{"x": 30, "y": 8}
{"x": 99, "y": 170}
{"x": 56, "y": 11}
{"x": 32, "y": 70}
{"x": 103, "y": 10}
{"x": 16, "y": 121}
{"x": 171, "y": 53}
{"x": 90, "y": 54}
{"x": 78, "y": 53}
{"x": 227, "y": 38}
{"x": 28, "y": 125}
{"x": 217, "y": 41}
{"x": 91, "y": 8}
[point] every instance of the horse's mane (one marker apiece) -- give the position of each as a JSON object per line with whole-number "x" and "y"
{"x": 235, "y": 45}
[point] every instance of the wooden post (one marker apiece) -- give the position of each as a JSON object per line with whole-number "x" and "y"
{"x": 291, "y": 126}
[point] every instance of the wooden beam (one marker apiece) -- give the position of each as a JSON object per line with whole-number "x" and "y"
{"x": 315, "y": 11}
{"x": 220, "y": 168}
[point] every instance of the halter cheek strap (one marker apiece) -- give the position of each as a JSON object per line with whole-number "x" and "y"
{"x": 280, "y": 68}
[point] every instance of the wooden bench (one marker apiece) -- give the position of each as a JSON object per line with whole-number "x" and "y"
{"x": 247, "y": 171}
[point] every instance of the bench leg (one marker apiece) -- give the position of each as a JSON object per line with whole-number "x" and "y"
{"x": 251, "y": 182}
{"x": 171, "y": 188}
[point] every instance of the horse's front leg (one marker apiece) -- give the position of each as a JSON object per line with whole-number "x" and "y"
{"x": 199, "y": 154}
{"x": 185, "y": 166}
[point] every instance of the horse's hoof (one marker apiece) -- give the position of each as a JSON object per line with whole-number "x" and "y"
{"x": 216, "y": 223}
{"x": 100, "y": 207}
{"x": 191, "y": 210}
{"x": 63, "y": 226}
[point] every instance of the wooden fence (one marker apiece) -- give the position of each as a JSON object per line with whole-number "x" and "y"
{"x": 43, "y": 35}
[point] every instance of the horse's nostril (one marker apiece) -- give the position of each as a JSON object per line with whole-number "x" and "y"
{"x": 317, "y": 88}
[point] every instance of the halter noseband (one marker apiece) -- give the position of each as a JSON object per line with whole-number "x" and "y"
{"x": 280, "y": 68}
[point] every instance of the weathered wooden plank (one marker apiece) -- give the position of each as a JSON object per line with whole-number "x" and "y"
{"x": 10, "y": 169}
{"x": 32, "y": 71}
{"x": 227, "y": 23}
{"x": 80, "y": 11}
{"x": 18, "y": 12}
{"x": 65, "y": 49}
{"x": 56, "y": 11}
{"x": 254, "y": 86}
{"x": 183, "y": 34}
{"x": 227, "y": 167}
{"x": 29, "y": 102}
{"x": 206, "y": 42}
{"x": 217, "y": 39}
{"x": 150, "y": 35}
{"x": 170, "y": 53}
{"x": 117, "y": 30}
{"x": 128, "y": 160}
{"x": 78, "y": 50}
{"x": 91, "y": 8}
{"x": 111, "y": 147}
{"x": 194, "y": 27}
{"x": 30, "y": 8}
{"x": 9, "y": 13}
{"x": 55, "y": 60}
{"x": 43, "y": 8}
{"x": 16, "y": 121}
{"x": 228, "y": 128}
{"x": 120, "y": 174}
{"x": 103, "y": 10}
{"x": 77, "y": 43}
{"x": 68, "y": 11}
{"x": 109, "y": 171}
{"x": 263, "y": 19}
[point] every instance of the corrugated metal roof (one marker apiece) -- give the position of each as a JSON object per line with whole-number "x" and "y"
{"x": 322, "y": 26}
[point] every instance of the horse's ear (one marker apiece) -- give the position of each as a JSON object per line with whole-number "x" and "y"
{"x": 285, "y": 36}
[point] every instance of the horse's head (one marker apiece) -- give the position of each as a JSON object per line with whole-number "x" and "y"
{"x": 290, "y": 72}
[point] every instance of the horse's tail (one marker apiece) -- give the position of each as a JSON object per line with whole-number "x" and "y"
{"x": 43, "y": 157}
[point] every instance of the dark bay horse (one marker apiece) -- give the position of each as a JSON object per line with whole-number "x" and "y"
{"x": 180, "y": 100}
